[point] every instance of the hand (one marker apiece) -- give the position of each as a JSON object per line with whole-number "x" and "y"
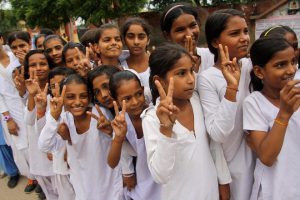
{"x": 129, "y": 182}
{"x": 19, "y": 81}
{"x": 119, "y": 124}
{"x": 31, "y": 84}
{"x": 230, "y": 69}
{"x": 224, "y": 192}
{"x": 84, "y": 65}
{"x": 20, "y": 54}
{"x": 189, "y": 46}
{"x": 50, "y": 156}
{"x": 41, "y": 99}
{"x": 166, "y": 110}
{"x": 56, "y": 103}
{"x": 12, "y": 127}
{"x": 64, "y": 132}
{"x": 290, "y": 97}
{"x": 103, "y": 124}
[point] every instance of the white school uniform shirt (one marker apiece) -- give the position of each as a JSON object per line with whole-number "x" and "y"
{"x": 207, "y": 58}
{"x": 12, "y": 102}
{"x": 281, "y": 180}
{"x": 39, "y": 163}
{"x": 223, "y": 121}
{"x": 90, "y": 174}
{"x": 181, "y": 164}
{"x": 145, "y": 188}
{"x": 143, "y": 76}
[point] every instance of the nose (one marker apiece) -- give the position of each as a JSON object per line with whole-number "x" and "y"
{"x": 104, "y": 93}
{"x": 244, "y": 37}
{"x": 136, "y": 40}
{"x": 191, "y": 78}
{"x": 77, "y": 101}
{"x": 189, "y": 32}
{"x": 76, "y": 61}
{"x": 134, "y": 101}
{"x": 291, "y": 68}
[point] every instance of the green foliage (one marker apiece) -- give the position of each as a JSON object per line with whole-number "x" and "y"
{"x": 8, "y": 21}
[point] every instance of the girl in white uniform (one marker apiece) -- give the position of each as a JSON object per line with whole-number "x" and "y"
{"x": 271, "y": 119}
{"x": 136, "y": 36}
{"x": 222, "y": 89}
{"x": 126, "y": 87}
{"x": 90, "y": 175}
{"x": 177, "y": 145}
{"x": 37, "y": 65}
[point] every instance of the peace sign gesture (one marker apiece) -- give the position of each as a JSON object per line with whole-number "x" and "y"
{"x": 19, "y": 81}
{"x": 56, "y": 103}
{"x": 84, "y": 65}
{"x": 230, "y": 69}
{"x": 119, "y": 124}
{"x": 31, "y": 84}
{"x": 41, "y": 99}
{"x": 189, "y": 46}
{"x": 103, "y": 124}
{"x": 166, "y": 110}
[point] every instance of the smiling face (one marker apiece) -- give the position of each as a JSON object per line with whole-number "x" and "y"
{"x": 39, "y": 42}
{"x": 19, "y": 45}
{"x": 279, "y": 70}
{"x": 184, "y": 78}
{"x": 235, "y": 36}
{"x": 76, "y": 99}
{"x": 136, "y": 39}
{"x": 110, "y": 43}
{"x": 39, "y": 63}
{"x": 133, "y": 93}
{"x": 184, "y": 25}
{"x": 53, "y": 48}
{"x": 72, "y": 58}
{"x": 101, "y": 91}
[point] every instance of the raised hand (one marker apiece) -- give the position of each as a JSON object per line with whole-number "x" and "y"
{"x": 189, "y": 46}
{"x": 84, "y": 65}
{"x": 290, "y": 97}
{"x": 103, "y": 124}
{"x": 119, "y": 124}
{"x": 19, "y": 81}
{"x": 41, "y": 100}
{"x": 56, "y": 103}
{"x": 20, "y": 54}
{"x": 166, "y": 110}
{"x": 31, "y": 84}
{"x": 230, "y": 69}
{"x": 64, "y": 132}
{"x": 12, "y": 127}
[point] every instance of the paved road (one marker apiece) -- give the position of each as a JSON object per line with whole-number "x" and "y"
{"x": 17, "y": 193}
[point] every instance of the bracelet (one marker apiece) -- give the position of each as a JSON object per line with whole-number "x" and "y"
{"x": 118, "y": 141}
{"x": 128, "y": 175}
{"x": 232, "y": 88}
{"x": 41, "y": 113}
{"x": 167, "y": 125}
{"x": 281, "y": 123}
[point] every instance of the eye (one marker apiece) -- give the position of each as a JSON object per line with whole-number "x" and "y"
{"x": 96, "y": 91}
{"x": 48, "y": 51}
{"x": 130, "y": 36}
{"x": 59, "y": 47}
{"x": 180, "y": 29}
{"x": 70, "y": 97}
{"x": 142, "y": 36}
{"x": 181, "y": 72}
{"x": 118, "y": 39}
{"x": 84, "y": 96}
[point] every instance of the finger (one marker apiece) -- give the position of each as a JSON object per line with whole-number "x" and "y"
{"x": 290, "y": 85}
{"x": 186, "y": 44}
{"x": 38, "y": 88}
{"x": 171, "y": 88}
{"x": 160, "y": 90}
{"x": 35, "y": 75}
{"x": 56, "y": 89}
{"x": 116, "y": 108}
{"x": 123, "y": 107}
{"x": 22, "y": 71}
{"x": 92, "y": 115}
{"x": 46, "y": 89}
{"x": 87, "y": 53}
{"x": 99, "y": 110}
{"x": 31, "y": 74}
{"x": 191, "y": 50}
{"x": 226, "y": 53}
{"x": 63, "y": 92}
{"x": 79, "y": 53}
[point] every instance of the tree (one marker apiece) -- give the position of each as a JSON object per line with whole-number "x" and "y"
{"x": 8, "y": 21}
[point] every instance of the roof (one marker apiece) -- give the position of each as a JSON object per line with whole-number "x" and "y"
{"x": 268, "y": 11}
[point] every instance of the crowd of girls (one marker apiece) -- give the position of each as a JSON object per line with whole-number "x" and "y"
{"x": 92, "y": 121}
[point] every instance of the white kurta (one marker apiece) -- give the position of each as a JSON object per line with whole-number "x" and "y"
{"x": 182, "y": 164}
{"x": 146, "y": 188}
{"x": 90, "y": 174}
{"x": 281, "y": 180}
{"x": 207, "y": 58}
{"x": 223, "y": 120}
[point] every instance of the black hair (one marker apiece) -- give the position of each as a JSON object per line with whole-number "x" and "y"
{"x": 72, "y": 45}
{"x": 74, "y": 78}
{"x": 26, "y": 61}
{"x": 115, "y": 81}
{"x": 135, "y": 21}
{"x": 173, "y": 11}
{"x": 261, "y": 52}
{"x": 161, "y": 65}
{"x": 38, "y": 37}
{"x": 107, "y": 70}
{"x": 216, "y": 23}
{"x": 22, "y": 35}
{"x": 51, "y": 37}
{"x": 102, "y": 28}
{"x": 46, "y": 31}
{"x": 62, "y": 71}
{"x": 88, "y": 37}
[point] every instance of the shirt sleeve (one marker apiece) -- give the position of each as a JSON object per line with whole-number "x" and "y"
{"x": 49, "y": 140}
{"x": 253, "y": 118}
{"x": 3, "y": 106}
{"x": 30, "y": 116}
{"x": 219, "y": 115}
{"x": 127, "y": 154}
{"x": 161, "y": 150}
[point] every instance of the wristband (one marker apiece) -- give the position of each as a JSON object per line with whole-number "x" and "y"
{"x": 232, "y": 88}
{"x": 7, "y": 118}
{"x": 281, "y": 123}
{"x": 128, "y": 175}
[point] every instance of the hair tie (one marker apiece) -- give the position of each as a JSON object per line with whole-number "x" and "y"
{"x": 180, "y": 5}
{"x": 271, "y": 30}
